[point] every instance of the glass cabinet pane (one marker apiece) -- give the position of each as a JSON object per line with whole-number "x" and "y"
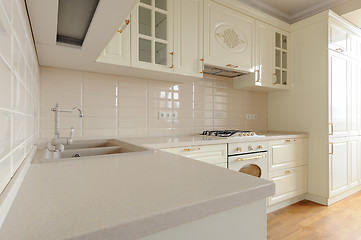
{"x": 149, "y": 2}
{"x": 160, "y": 53}
{"x": 160, "y": 25}
{"x": 145, "y": 21}
{"x": 284, "y": 77}
{"x": 278, "y": 76}
{"x": 284, "y": 42}
{"x": 284, "y": 59}
{"x": 278, "y": 40}
{"x": 145, "y": 50}
{"x": 278, "y": 58}
{"x": 162, "y": 4}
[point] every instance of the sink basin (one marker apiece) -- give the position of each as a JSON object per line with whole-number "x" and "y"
{"x": 89, "y": 148}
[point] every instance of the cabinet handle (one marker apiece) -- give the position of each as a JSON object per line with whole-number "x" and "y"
{"x": 122, "y": 28}
{"x": 202, "y": 65}
{"x": 239, "y": 149}
{"x": 339, "y": 50}
{"x": 171, "y": 59}
{"x": 331, "y": 153}
{"x": 290, "y": 171}
{"x": 192, "y": 149}
{"x": 290, "y": 140}
{"x": 257, "y": 76}
{"x": 274, "y": 77}
{"x": 331, "y": 124}
{"x": 250, "y": 158}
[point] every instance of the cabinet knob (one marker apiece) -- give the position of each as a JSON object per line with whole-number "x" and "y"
{"x": 260, "y": 147}
{"x": 239, "y": 149}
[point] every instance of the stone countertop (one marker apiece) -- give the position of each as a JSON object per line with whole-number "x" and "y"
{"x": 125, "y": 196}
{"x": 181, "y": 141}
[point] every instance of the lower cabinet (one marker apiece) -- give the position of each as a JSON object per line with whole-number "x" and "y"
{"x": 287, "y": 166}
{"x": 213, "y": 154}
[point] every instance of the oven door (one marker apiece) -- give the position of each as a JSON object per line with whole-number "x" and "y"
{"x": 254, "y": 164}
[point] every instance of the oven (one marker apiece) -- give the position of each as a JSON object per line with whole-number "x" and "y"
{"x": 249, "y": 157}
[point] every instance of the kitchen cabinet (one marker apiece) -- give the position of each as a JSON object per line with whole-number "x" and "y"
{"x": 152, "y": 35}
{"x": 326, "y": 88}
{"x": 289, "y": 183}
{"x": 118, "y": 49}
{"x": 271, "y": 61}
{"x": 188, "y": 37}
{"x": 287, "y": 165}
{"x": 228, "y": 37}
{"x": 213, "y": 154}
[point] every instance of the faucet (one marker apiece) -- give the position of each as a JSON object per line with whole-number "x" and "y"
{"x": 58, "y": 142}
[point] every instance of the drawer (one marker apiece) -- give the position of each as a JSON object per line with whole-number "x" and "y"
{"x": 206, "y": 153}
{"x": 289, "y": 183}
{"x": 287, "y": 153}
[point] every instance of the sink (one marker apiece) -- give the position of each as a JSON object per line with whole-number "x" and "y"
{"x": 89, "y": 148}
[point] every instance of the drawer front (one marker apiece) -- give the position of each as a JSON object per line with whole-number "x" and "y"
{"x": 289, "y": 183}
{"x": 287, "y": 153}
{"x": 208, "y": 153}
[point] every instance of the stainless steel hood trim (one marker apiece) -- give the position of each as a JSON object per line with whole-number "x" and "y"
{"x": 223, "y": 71}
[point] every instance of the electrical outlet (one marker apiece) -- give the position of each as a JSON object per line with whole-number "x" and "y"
{"x": 161, "y": 115}
{"x": 250, "y": 116}
{"x": 167, "y": 115}
{"x": 174, "y": 115}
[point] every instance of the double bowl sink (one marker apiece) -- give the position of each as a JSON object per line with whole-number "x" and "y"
{"x": 89, "y": 148}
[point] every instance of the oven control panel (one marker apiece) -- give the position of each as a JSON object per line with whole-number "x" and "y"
{"x": 246, "y": 147}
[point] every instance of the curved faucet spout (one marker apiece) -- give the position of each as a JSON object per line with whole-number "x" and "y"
{"x": 80, "y": 112}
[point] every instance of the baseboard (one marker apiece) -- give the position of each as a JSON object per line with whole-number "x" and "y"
{"x": 285, "y": 203}
{"x": 316, "y": 198}
{"x": 7, "y": 197}
{"x": 343, "y": 195}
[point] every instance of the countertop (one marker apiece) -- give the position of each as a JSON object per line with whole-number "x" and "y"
{"x": 127, "y": 196}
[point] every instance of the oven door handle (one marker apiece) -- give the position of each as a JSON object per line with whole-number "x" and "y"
{"x": 250, "y": 158}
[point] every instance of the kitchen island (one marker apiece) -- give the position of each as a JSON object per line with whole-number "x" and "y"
{"x": 148, "y": 194}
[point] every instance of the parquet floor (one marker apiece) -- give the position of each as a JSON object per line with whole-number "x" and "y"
{"x": 308, "y": 220}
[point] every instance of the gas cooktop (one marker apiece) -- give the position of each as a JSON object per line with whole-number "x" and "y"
{"x": 230, "y": 133}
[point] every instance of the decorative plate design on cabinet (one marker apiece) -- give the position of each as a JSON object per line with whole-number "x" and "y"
{"x": 230, "y": 37}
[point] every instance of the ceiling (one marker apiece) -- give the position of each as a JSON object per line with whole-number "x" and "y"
{"x": 294, "y": 10}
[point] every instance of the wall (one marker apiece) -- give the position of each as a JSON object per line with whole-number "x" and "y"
{"x": 19, "y": 91}
{"x": 124, "y": 106}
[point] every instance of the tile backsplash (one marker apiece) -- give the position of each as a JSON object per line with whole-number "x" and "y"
{"x": 19, "y": 92}
{"x": 129, "y": 107}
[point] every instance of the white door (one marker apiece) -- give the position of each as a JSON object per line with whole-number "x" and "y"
{"x": 228, "y": 37}
{"x": 152, "y": 35}
{"x": 188, "y": 37}
{"x": 118, "y": 49}
{"x": 353, "y": 97}
{"x": 338, "y": 94}
{"x": 338, "y": 168}
{"x": 264, "y": 54}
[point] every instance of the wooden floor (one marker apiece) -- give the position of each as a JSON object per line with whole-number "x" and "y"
{"x": 309, "y": 220}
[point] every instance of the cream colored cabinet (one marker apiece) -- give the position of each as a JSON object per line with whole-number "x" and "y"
{"x": 188, "y": 37}
{"x": 289, "y": 183}
{"x": 353, "y": 97}
{"x": 287, "y": 153}
{"x": 338, "y": 94}
{"x": 281, "y": 63}
{"x": 213, "y": 154}
{"x": 228, "y": 37}
{"x": 338, "y": 166}
{"x": 353, "y": 162}
{"x": 117, "y": 50}
{"x": 152, "y": 35}
{"x": 287, "y": 166}
{"x": 337, "y": 37}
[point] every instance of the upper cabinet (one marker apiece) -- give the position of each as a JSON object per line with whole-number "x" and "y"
{"x": 337, "y": 38}
{"x": 152, "y": 35}
{"x": 280, "y": 74}
{"x": 228, "y": 37}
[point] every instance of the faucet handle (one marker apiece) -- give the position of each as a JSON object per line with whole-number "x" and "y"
{"x": 71, "y": 132}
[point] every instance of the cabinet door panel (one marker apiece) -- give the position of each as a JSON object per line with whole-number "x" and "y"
{"x": 264, "y": 53}
{"x": 228, "y": 37}
{"x": 353, "y": 97}
{"x": 337, "y": 38}
{"x": 338, "y": 167}
{"x": 188, "y": 37}
{"x": 338, "y": 94}
{"x": 353, "y": 162}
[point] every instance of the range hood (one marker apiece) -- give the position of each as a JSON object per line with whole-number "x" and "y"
{"x": 223, "y": 71}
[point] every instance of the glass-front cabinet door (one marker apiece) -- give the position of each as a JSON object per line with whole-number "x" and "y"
{"x": 152, "y": 43}
{"x": 280, "y": 75}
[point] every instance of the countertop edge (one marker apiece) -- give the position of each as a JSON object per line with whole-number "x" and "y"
{"x": 149, "y": 225}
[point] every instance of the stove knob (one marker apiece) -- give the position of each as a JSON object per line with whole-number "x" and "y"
{"x": 247, "y": 134}
{"x": 250, "y": 148}
{"x": 252, "y": 134}
{"x": 260, "y": 147}
{"x": 239, "y": 149}
{"x": 243, "y": 134}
